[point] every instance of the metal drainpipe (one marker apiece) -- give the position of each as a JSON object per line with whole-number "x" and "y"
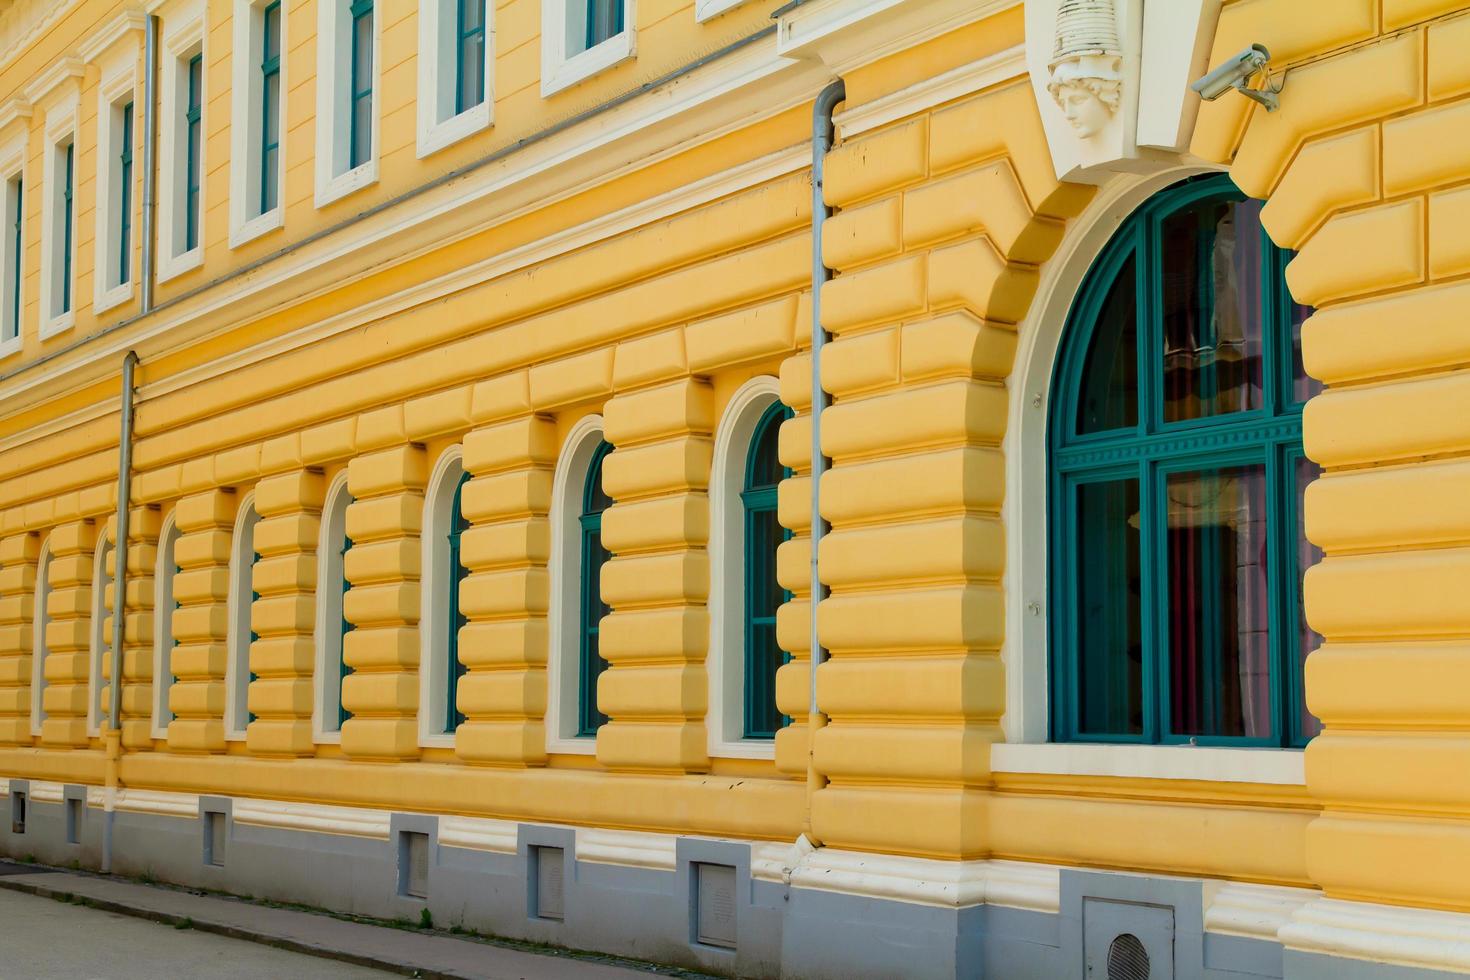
{"x": 113, "y": 735}
{"x": 150, "y": 140}
{"x": 822, "y": 133}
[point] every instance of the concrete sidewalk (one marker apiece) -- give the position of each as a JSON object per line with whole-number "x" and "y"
{"x": 410, "y": 952}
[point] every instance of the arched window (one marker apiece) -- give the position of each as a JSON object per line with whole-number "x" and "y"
{"x": 590, "y": 664}
{"x": 1177, "y": 472}
{"x": 440, "y": 668}
{"x": 164, "y": 604}
{"x": 763, "y": 594}
{"x": 40, "y": 617}
{"x": 243, "y": 558}
{"x": 332, "y": 626}
{"x": 101, "y": 579}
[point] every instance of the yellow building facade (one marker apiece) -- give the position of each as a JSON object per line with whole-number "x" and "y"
{"x": 452, "y": 363}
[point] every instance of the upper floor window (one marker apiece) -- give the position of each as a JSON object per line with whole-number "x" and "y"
{"x": 12, "y": 252}
{"x": 59, "y": 272}
{"x": 346, "y": 84}
{"x": 257, "y": 166}
{"x": 116, "y": 123}
{"x": 454, "y": 71}
{"x": 582, "y": 37}
{"x": 181, "y": 162}
{"x": 1177, "y": 471}
{"x": 332, "y": 625}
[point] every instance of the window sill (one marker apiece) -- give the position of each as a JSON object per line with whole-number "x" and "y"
{"x": 563, "y": 74}
{"x": 61, "y": 324}
{"x": 10, "y": 347}
{"x": 434, "y": 137}
{"x": 327, "y": 738}
{"x": 572, "y": 746}
{"x": 438, "y": 741}
{"x": 257, "y": 226}
{"x": 746, "y": 748}
{"x": 180, "y": 264}
{"x": 330, "y": 189}
{"x": 116, "y": 296}
{"x": 1282, "y": 767}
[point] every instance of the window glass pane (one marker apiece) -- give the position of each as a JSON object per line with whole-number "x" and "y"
{"x": 1211, "y": 305}
{"x": 1109, "y": 623}
{"x": 1307, "y": 555}
{"x": 594, "y": 556}
{"x": 1219, "y": 648}
{"x": 1109, "y": 397}
{"x": 604, "y": 20}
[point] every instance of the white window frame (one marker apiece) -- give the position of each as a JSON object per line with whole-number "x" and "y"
{"x": 40, "y": 617}
{"x": 237, "y": 664}
{"x": 180, "y": 45}
{"x": 434, "y": 593}
{"x": 726, "y": 663}
{"x": 1024, "y": 514}
{"x": 438, "y": 124}
{"x": 118, "y": 87}
{"x": 334, "y": 178}
{"x": 99, "y": 638}
{"x": 562, "y": 67}
{"x": 163, "y": 625}
{"x": 12, "y": 165}
{"x": 62, "y": 128}
{"x": 327, "y": 677}
{"x": 245, "y": 104}
{"x": 564, "y": 617}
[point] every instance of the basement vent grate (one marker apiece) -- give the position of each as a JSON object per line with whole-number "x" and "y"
{"x": 1127, "y": 959}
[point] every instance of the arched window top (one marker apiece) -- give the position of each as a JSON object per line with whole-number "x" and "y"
{"x": 1176, "y": 467}
{"x": 763, "y": 469}
{"x": 594, "y": 498}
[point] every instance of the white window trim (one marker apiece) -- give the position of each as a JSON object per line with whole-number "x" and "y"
{"x": 99, "y": 638}
{"x": 1024, "y": 513}
{"x": 119, "y": 85}
{"x": 12, "y": 163}
{"x": 709, "y": 9}
{"x": 245, "y": 96}
{"x": 163, "y": 619}
{"x": 434, "y": 593}
{"x": 237, "y": 664}
{"x": 438, "y": 125}
{"x": 726, "y": 663}
{"x": 563, "y": 618}
{"x": 40, "y": 617}
{"x": 61, "y": 125}
{"x": 326, "y": 678}
{"x": 179, "y": 45}
{"x": 560, "y": 70}
{"x": 333, "y": 102}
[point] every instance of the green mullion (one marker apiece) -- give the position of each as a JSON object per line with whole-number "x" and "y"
{"x": 193, "y": 116}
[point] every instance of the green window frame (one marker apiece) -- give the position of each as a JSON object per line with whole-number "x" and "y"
{"x": 16, "y": 195}
{"x": 591, "y": 608}
{"x": 193, "y": 136}
{"x": 763, "y": 595}
{"x": 254, "y": 598}
{"x": 68, "y": 190}
{"x": 604, "y": 21}
{"x": 125, "y": 200}
{"x": 469, "y": 54}
{"x": 455, "y": 573}
{"x": 360, "y": 103}
{"x": 270, "y": 106}
{"x": 1175, "y": 474}
{"x": 347, "y": 627}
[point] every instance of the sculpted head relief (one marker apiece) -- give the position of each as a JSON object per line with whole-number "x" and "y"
{"x": 1086, "y": 66}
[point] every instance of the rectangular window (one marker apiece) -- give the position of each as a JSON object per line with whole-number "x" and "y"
{"x": 454, "y": 81}
{"x": 270, "y": 107}
{"x": 66, "y": 172}
{"x": 125, "y": 199}
{"x": 361, "y": 109}
{"x": 469, "y": 52}
{"x": 14, "y": 228}
{"x": 193, "y": 134}
{"x": 581, "y": 38}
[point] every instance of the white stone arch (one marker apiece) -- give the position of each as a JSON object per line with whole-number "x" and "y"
{"x": 566, "y": 587}
{"x": 163, "y": 625}
{"x": 39, "y": 618}
{"x": 237, "y": 664}
{"x": 326, "y": 687}
{"x": 434, "y": 597}
{"x": 98, "y": 638}
{"x": 725, "y": 662}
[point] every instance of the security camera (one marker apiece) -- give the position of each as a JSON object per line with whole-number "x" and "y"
{"x": 1236, "y": 74}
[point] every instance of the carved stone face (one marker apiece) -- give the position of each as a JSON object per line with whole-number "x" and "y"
{"x": 1087, "y": 113}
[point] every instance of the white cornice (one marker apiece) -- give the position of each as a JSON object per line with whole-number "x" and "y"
{"x": 46, "y": 86}
{"x": 25, "y": 21}
{"x": 118, "y": 28}
{"x": 995, "y": 69}
{"x": 14, "y": 111}
{"x": 845, "y": 34}
{"x": 1411, "y": 937}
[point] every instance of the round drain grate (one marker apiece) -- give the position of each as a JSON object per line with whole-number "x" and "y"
{"x": 1127, "y": 959}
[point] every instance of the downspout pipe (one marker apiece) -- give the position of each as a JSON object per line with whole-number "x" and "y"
{"x": 150, "y": 168}
{"x": 822, "y": 136}
{"x": 113, "y": 736}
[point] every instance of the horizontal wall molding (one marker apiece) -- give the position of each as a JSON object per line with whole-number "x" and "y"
{"x": 312, "y": 818}
{"x": 627, "y": 848}
{"x": 996, "y": 69}
{"x": 479, "y": 834}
